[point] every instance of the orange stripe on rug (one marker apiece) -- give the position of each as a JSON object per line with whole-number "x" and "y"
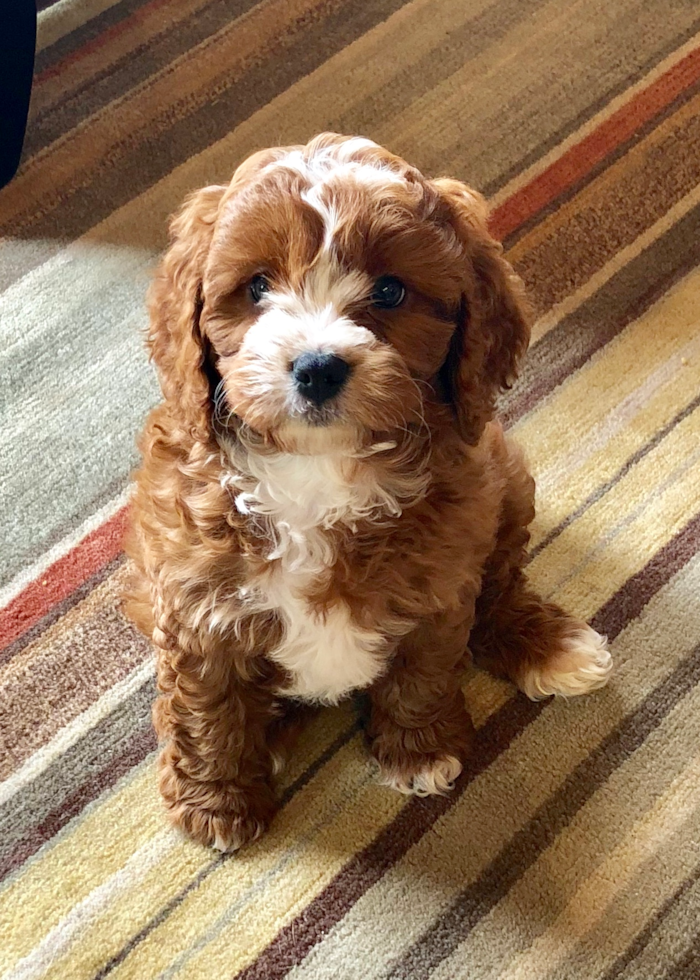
{"x": 581, "y": 158}
{"x": 62, "y": 578}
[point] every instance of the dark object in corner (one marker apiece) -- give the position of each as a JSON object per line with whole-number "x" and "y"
{"x": 17, "y": 46}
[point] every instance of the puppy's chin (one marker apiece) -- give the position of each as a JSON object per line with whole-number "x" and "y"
{"x": 307, "y": 439}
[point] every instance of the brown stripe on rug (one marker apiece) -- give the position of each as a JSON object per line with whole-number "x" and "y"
{"x": 464, "y": 42}
{"x": 94, "y": 763}
{"x": 636, "y": 74}
{"x": 656, "y": 121}
{"x": 293, "y": 943}
{"x": 628, "y": 602}
{"x": 64, "y": 671}
{"x": 71, "y": 105}
{"x": 493, "y": 884}
{"x": 578, "y": 336}
{"x": 461, "y": 45}
{"x": 608, "y": 214}
{"x": 86, "y": 33}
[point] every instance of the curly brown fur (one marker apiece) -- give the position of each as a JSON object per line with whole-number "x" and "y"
{"x": 289, "y": 550}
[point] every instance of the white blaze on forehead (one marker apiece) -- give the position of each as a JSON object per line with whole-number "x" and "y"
{"x": 334, "y": 163}
{"x": 337, "y": 160}
{"x": 329, "y": 214}
{"x": 319, "y": 173}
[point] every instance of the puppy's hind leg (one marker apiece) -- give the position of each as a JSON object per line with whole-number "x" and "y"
{"x": 534, "y": 643}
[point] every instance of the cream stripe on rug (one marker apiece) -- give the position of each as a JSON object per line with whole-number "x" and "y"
{"x": 644, "y": 822}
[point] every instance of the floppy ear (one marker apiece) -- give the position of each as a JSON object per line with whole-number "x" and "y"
{"x": 175, "y": 303}
{"x": 493, "y": 324}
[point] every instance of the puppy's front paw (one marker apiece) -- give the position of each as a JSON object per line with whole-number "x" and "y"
{"x": 433, "y": 775}
{"x": 423, "y": 760}
{"x": 218, "y": 814}
{"x": 226, "y": 829}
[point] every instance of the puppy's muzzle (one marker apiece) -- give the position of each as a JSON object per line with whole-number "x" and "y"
{"x": 319, "y": 376}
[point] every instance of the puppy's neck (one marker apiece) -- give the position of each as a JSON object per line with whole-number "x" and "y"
{"x": 309, "y": 491}
{"x": 301, "y": 495}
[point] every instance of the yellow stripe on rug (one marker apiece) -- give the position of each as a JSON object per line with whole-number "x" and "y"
{"x": 638, "y": 517}
{"x": 579, "y": 437}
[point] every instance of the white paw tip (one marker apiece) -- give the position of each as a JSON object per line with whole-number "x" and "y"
{"x": 434, "y": 780}
{"x": 220, "y": 844}
{"x": 582, "y": 665}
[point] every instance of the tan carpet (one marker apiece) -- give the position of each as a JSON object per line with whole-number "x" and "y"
{"x": 570, "y": 849}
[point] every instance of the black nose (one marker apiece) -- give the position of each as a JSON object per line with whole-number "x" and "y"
{"x": 319, "y": 376}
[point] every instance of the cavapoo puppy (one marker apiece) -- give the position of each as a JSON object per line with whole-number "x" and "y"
{"x": 325, "y": 504}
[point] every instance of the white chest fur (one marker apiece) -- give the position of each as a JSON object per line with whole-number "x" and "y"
{"x": 327, "y": 656}
{"x": 302, "y": 497}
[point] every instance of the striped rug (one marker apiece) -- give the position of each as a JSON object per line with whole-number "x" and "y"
{"x": 570, "y": 849}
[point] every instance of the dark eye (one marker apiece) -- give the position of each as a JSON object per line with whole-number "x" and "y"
{"x": 388, "y": 293}
{"x": 257, "y": 287}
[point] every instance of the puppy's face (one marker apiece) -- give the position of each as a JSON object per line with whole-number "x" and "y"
{"x": 338, "y": 288}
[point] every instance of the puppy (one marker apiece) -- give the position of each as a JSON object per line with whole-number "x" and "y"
{"x": 325, "y": 504}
